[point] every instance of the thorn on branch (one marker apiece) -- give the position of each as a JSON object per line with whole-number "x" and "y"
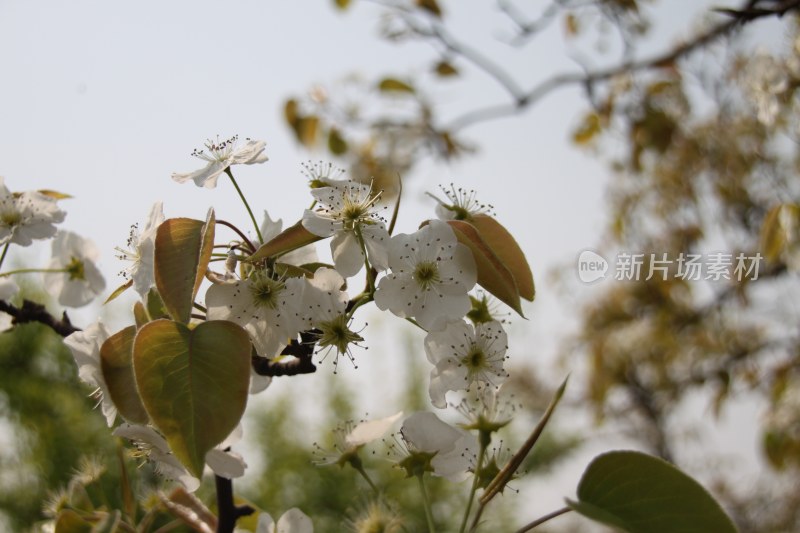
{"x": 35, "y": 312}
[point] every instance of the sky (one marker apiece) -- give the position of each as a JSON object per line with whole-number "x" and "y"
{"x": 104, "y": 100}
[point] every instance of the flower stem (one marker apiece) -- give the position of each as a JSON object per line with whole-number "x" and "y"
{"x": 246, "y": 205}
{"x": 370, "y": 271}
{"x": 32, "y": 270}
{"x": 360, "y": 470}
{"x": 5, "y": 251}
{"x": 426, "y": 503}
{"x": 475, "y": 481}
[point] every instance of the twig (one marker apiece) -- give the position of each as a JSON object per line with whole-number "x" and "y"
{"x": 228, "y": 511}
{"x": 34, "y": 312}
{"x": 542, "y": 520}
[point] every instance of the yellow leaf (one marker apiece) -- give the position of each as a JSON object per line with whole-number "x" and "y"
{"x": 445, "y": 69}
{"x": 394, "y": 85}
{"x": 291, "y": 238}
{"x": 54, "y": 194}
{"x": 431, "y": 6}
{"x": 590, "y": 127}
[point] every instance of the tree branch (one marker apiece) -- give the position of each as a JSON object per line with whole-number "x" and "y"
{"x": 302, "y": 363}
{"x": 748, "y": 13}
{"x": 34, "y": 312}
{"x": 228, "y": 511}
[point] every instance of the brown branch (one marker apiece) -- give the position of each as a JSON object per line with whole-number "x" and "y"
{"x": 302, "y": 363}
{"x": 34, "y": 312}
{"x": 524, "y": 100}
{"x": 228, "y": 511}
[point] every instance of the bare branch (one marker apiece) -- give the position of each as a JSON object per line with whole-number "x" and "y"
{"x": 34, "y": 312}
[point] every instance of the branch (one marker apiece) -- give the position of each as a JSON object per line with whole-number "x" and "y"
{"x": 302, "y": 351}
{"x": 524, "y": 100}
{"x": 34, "y": 312}
{"x": 228, "y": 511}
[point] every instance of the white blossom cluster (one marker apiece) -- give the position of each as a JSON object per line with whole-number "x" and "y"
{"x": 71, "y": 276}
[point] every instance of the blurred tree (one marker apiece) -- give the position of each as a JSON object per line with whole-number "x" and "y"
{"x": 707, "y": 130}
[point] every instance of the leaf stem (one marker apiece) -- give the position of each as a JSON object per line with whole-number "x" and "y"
{"x": 543, "y": 519}
{"x": 246, "y": 205}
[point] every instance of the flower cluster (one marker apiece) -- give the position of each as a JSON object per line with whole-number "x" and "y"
{"x": 72, "y": 275}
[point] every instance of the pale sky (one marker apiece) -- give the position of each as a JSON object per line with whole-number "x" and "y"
{"x": 104, "y": 100}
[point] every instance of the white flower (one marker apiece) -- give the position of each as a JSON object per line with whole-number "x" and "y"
{"x": 8, "y": 288}
{"x": 347, "y": 212}
{"x": 325, "y": 309}
{"x": 350, "y": 437}
{"x": 220, "y": 156}
{"x": 463, "y": 204}
{"x": 85, "y": 347}
{"x": 141, "y": 251}
{"x": 264, "y": 306}
{"x": 292, "y": 521}
{"x": 448, "y": 448}
{"x": 766, "y": 80}
{"x": 27, "y": 216}
{"x": 431, "y": 275}
{"x": 154, "y": 447}
{"x": 81, "y": 281}
{"x": 322, "y": 174}
{"x": 463, "y": 354}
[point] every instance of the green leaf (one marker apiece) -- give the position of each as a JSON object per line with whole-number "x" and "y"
{"x": 183, "y": 250}
{"x": 193, "y": 383}
{"x": 506, "y": 248}
{"x": 336, "y": 143}
{"x": 394, "y": 85}
{"x": 140, "y": 314}
{"x": 492, "y": 273}
{"x": 291, "y": 238}
{"x": 116, "y": 362}
{"x": 155, "y": 306}
{"x": 638, "y": 493}
{"x": 71, "y": 522}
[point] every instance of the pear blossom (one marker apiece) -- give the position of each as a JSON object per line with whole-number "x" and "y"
{"x": 463, "y": 204}
{"x": 292, "y": 521}
{"x": 81, "y": 280}
{"x": 27, "y": 216}
{"x": 349, "y": 438}
{"x": 322, "y": 174}
{"x": 263, "y": 305}
{"x": 429, "y": 444}
{"x": 766, "y": 81}
{"x": 347, "y": 212}
{"x": 324, "y": 307}
{"x": 152, "y": 445}
{"x": 220, "y": 156}
{"x": 431, "y": 275}
{"x": 85, "y": 347}
{"x": 141, "y": 251}
{"x": 463, "y": 354}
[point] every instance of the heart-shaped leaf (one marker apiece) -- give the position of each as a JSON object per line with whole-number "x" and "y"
{"x": 492, "y": 273}
{"x": 193, "y": 383}
{"x": 638, "y": 493}
{"x": 291, "y": 238}
{"x": 116, "y": 361}
{"x": 182, "y": 252}
{"x": 508, "y": 251}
